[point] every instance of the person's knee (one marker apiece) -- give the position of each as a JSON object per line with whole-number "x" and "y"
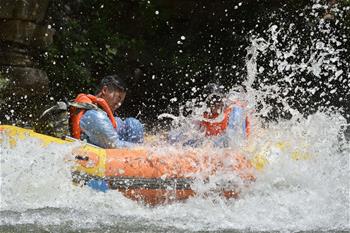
{"x": 134, "y": 130}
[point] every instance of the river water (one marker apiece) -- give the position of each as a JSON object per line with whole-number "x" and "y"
{"x": 306, "y": 195}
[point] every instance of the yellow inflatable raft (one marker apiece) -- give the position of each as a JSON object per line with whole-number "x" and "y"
{"x": 142, "y": 174}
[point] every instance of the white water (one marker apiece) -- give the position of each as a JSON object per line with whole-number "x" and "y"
{"x": 289, "y": 195}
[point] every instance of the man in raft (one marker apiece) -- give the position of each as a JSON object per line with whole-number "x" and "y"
{"x": 93, "y": 117}
{"x": 223, "y": 120}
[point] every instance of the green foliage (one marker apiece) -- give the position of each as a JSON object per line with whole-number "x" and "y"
{"x": 3, "y": 81}
{"x": 176, "y": 45}
{"x": 95, "y": 38}
{"x": 87, "y": 45}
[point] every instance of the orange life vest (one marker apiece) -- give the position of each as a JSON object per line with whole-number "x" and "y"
{"x": 215, "y": 128}
{"x": 218, "y": 128}
{"x": 77, "y": 113}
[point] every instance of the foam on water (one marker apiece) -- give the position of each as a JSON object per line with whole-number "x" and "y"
{"x": 310, "y": 194}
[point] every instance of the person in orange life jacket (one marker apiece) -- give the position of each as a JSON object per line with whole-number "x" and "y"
{"x": 222, "y": 115}
{"x": 97, "y": 122}
{"x": 222, "y": 121}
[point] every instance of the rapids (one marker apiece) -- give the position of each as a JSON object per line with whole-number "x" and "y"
{"x": 303, "y": 195}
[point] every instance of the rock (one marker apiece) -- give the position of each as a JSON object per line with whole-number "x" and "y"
{"x": 22, "y": 36}
{"x": 15, "y": 57}
{"x": 27, "y": 10}
{"x": 25, "y": 33}
{"x": 26, "y": 80}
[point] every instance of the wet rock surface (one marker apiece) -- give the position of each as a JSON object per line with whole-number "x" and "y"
{"x": 22, "y": 37}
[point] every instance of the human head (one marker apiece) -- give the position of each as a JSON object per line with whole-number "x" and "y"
{"x": 113, "y": 90}
{"x": 214, "y": 97}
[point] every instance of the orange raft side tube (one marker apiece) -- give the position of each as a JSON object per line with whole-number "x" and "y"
{"x": 151, "y": 175}
{"x": 157, "y": 177}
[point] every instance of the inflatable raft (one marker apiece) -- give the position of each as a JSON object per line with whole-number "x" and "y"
{"x": 149, "y": 175}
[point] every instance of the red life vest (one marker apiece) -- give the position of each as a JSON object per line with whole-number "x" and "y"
{"x": 218, "y": 128}
{"x": 76, "y": 113}
{"x": 215, "y": 128}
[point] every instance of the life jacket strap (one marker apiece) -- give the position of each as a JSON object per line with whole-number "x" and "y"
{"x": 85, "y": 106}
{"x": 64, "y": 106}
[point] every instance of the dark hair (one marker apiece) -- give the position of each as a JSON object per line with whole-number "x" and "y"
{"x": 214, "y": 88}
{"x": 213, "y": 93}
{"x": 113, "y": 82}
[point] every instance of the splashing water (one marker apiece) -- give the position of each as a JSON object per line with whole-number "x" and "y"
{"x": 308, "y": 194}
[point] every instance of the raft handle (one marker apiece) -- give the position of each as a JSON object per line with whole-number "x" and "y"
{"x": 83, "y": 158}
